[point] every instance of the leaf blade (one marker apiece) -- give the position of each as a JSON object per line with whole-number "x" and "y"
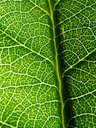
{"x": 29, "y": 93}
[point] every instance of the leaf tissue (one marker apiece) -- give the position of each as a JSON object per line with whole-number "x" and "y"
{"x": 47, "y": 64}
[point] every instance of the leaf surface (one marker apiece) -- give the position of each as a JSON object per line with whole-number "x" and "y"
{"x": 77, "y": 22}
{"x": 28, "y": 85}
{"x": 47, "y": 64}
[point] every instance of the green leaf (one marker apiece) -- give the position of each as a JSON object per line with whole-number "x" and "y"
{"x": 47, "y": 64}
{"x": 77, "y": 22}
{"x": 28, "y": 85}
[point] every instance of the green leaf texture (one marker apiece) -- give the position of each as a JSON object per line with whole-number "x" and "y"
{"x": 77, "y": 19}
{"x": 47, "y": 64}
{"x": 28, "y": 85}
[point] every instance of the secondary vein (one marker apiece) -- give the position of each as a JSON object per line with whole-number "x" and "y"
{"x": 82, "y": 59}
{"x": 44, "y": 57}
{"x": 39, "y": 7}
{"x": 9, "y": 125}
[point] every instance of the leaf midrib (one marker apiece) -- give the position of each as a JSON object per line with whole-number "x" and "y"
{"x": 57, "y": 66}
{"x": 58, "y": 75}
